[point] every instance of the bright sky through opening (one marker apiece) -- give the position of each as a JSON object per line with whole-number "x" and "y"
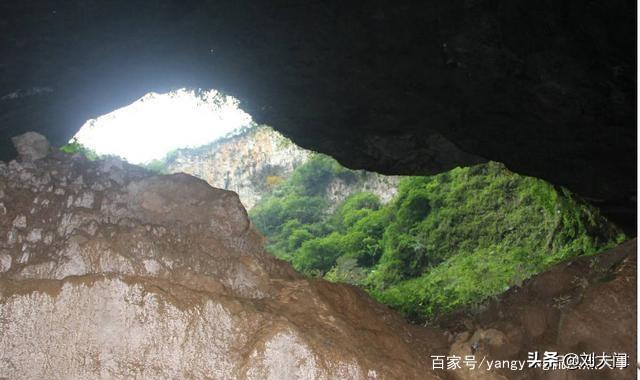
{"x": 157, "y": 123}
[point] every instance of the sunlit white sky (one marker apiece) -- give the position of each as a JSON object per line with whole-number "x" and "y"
{"x": 158, "y": 123}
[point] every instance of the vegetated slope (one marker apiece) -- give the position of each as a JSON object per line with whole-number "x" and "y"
{"x": 444, "y": 242}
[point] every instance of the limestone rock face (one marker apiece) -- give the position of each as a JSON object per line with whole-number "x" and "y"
{"x": 385, "y": 187}
{"x": 252, "y": 162}
{"x": 109, "y": 271}
{"x": 249, "y": 163}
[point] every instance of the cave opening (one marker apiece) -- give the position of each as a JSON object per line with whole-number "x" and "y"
{"x": 156, "y": 124}
{"x": 428, "y": 246}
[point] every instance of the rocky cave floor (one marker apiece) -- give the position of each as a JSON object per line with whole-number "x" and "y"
{"x": 110, "y": 271}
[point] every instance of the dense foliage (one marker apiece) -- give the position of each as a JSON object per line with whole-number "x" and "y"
{"x": 444, "y": 242}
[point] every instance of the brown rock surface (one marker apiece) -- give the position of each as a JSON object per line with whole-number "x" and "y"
{"x": 584, "y": 305}
{"x": 108, "y": 271}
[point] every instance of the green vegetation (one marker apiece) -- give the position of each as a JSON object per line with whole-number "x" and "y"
{"x": 74, "y": 147}
{"x": 161, "y": 165}
{"x": 444, "y": 242}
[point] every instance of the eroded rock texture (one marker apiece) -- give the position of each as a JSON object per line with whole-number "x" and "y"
{"x": 111, "y": 272}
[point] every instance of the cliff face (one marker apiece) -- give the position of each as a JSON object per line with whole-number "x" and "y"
{"x": 253, "y": 161}
{"x": 383, "y": 186}
{"x": 249, "y": 163}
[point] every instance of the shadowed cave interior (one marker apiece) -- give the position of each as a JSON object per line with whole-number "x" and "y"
{"x": 526, "y": 84}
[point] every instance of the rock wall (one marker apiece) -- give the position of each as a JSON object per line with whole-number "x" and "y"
{"x": 383, "y": 186}
{"x": 250, "y": 163}
{"x": 109, "y": 271}
{"x": 253, "y": 161}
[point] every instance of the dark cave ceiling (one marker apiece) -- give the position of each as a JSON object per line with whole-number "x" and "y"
{"x": 404, "y": 87}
